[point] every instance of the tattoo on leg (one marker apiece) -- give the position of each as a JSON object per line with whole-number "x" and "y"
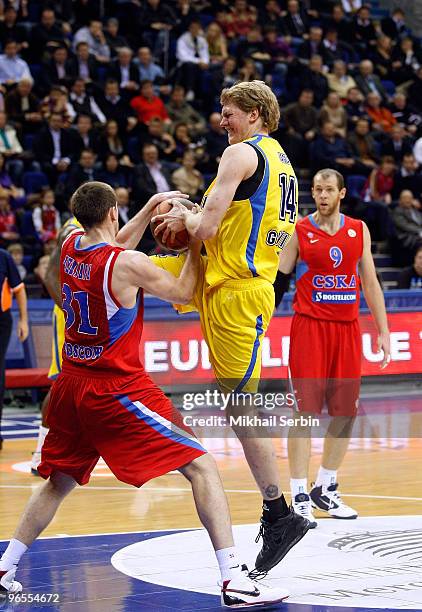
{"x": 271, "y": 491}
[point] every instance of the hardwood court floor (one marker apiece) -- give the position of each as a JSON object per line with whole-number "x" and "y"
{"x": 379, "y": 477}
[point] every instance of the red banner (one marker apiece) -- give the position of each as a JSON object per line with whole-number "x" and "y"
{"x": 175, "y": 353}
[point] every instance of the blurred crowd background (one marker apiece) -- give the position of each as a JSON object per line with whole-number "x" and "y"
{"x": 128, "y": 93}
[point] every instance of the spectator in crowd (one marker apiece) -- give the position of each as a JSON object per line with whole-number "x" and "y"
{"x": 123, "y": 203}
{"x": 161, "y": 139}
{"x": 252, "y": 47}
{"x": 147, "y": 105}
{"x": 398, "y": 144}
{"x": 84, "y": 103}
{"x": 406, "y": 61}
{"x": 411, "y": 277}
{"x": 93, "y": 35}
{"x": 11, "y": 29}
{"x": 113, "y": 106}
{"x": 58, "y": 68}
{"x": 16, "y": 252}
{"x": 8, "y": 225}
{"x": 81, "y": 172}
{"x": 380, "y": 183}
{"x": 362, "y": 144}
{"x": 53, "y": 147}
{"x": 84, "y": 136}
{"x": 241, "y": 18}
{"x": 10, "y": 284}
{"x": 84, "y": 64}
{"x": 302, "y": 117}
{"x": 313, "y": 45}
{"x": 180, "y": 110}
{"x": 157, "y": 20}
{"x": 110, "y": 141}
{"x": 339, "y": 81}
{"x": 333, "y": 110}
{"x": 216, "y": 142}
{"x": 217, "y": 44}
{"x": 150, "y": 176}
{"x": 408, "y": 177}
{"x": 336, "y": 49}
{"x": 339, "y": 22}
{"x": 7, "y": 187}
{"x": 407, "y": 218}
{"x": 368, "y": 82}
{"x": 394, "y": 25}
{"x": 296, "y": 22}
{"x": 23, "y": 107}
{"x": 405, "y": 114}
{"x": 381, "y": 117}
{"x": 12, "y": 68}
{"x": 57, "y": 101}
{"x": 415, "y": 91}
{"x": 382, "y": 58}
{"x": 363, "y": 30}
{"x": 330, "y": 150}
{"x": 114, "y": 39}
{"x": 46, "y": 217}
{"x": 281, "y": 54}
{"x": 314, "y": 78}
{"x": 222, "y": 78}
{"x": 188, "y": 179}
{"x": 193, "y": 58}
{"x": 11, "y": 149}
{"x": 125, "y": 72}
{"x": 354, "y": 106}
{"x": 46, "y": 36}
{"x": 112, "y": 172}
{"x": 271, "y": 15}
{"x": 150, "y": 71}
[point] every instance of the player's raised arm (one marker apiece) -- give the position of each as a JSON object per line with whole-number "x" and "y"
{"x": 374, "y": 296}
{"x": 289, "y": 255}
{"x": 133, "y": 270}
{"x": 238, "y": 162}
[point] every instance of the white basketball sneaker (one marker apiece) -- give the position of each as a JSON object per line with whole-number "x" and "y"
{"x": 302, "y": 505}
{"x": 243, "y": 592}
{"x": 328, "y": 500}
{"x": 8, "y": 584}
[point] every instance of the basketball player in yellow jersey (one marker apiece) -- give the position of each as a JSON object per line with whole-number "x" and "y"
{"x": 248, "y": 215}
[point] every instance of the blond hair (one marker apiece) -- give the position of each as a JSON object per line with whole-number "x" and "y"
{"x": 252, "y": 95}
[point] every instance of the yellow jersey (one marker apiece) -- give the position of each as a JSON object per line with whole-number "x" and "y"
{"x": 259, "y": 221}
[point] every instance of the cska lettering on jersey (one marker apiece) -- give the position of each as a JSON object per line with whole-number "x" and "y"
{"x": 82, "y": 271}
{"x": 334, "y": 281}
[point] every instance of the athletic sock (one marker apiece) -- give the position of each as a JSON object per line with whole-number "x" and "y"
{"x": 298, "y": 485}
{"x": 325, "y": 477}
{"x": 273, "y": 509}
{"x": 42, "y": 433}
{"x": 12, "y": 555}
{"x": 228, "y": 563}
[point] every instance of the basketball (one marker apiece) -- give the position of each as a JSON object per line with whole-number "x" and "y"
{"x": 180, "y": 241}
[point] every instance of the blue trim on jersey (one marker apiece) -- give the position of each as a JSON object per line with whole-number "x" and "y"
{"x": 93, "y": 247}
{"x": 257, "y": 201}
{"x": 259, "y": 332}
{"x": 301, "y": 269}
{"x": 315, "y": 224}
{"x": 121, "y": 322}
{"x": 173, "y": 434}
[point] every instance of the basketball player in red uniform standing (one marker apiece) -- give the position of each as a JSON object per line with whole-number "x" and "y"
{"x": 104, "y": 403}
{"x": 332, "y": 255}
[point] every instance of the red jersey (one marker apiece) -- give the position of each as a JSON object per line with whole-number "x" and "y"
{"x": 102, "y": 337}
{"x": 327, "y": 281}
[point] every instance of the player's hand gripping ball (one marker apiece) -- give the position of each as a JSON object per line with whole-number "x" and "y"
{"x": 171, "y": 240}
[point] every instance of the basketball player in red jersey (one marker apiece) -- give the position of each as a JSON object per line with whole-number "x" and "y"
{"x": 104, "y": 403}
{"x": 332, "y": 255}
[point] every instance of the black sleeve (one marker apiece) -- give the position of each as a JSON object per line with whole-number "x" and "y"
{"x": 281, "y": 286}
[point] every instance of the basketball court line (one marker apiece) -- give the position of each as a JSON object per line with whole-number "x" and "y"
{"x": 185, "y": 490}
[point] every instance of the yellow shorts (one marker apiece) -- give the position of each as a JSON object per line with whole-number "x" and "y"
{"x": 57, "y": 344}
{"x": 234, "y": 318}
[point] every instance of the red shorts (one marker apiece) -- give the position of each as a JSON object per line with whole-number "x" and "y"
{"x": 325, "y": 364}
{"x": 129, "y": 422}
